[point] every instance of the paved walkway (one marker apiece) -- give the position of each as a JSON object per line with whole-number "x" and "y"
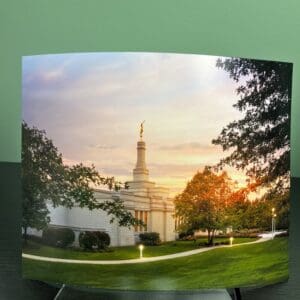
{"x": 264, "y": 238}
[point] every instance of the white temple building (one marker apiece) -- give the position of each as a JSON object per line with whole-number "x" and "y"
{"x": 145, "y": 200}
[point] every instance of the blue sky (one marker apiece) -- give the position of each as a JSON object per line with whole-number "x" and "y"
{"x": 91, "y": 105}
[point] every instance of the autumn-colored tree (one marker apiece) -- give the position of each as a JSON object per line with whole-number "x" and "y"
{"x": 203, "y": 205}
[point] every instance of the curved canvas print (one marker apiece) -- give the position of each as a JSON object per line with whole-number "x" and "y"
{"x": 155, "y": 171}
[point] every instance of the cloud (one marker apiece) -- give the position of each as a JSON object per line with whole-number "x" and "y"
{"x": 174, "y": 170}
{"x": 103, "y": 146}
{"x": 91, "y": 105}
{"x": 189, "y": 147}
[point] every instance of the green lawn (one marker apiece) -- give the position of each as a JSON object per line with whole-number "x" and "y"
{"x": 246, "y": 265}
{"x": 122, "y": 252}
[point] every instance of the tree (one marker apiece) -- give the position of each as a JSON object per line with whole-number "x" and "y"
{"x": 261, "y": 139}
{"x": 246, "y": 215}
{"x": 46, "y": 179}
{"x": 204, "y": 203}
{"x": 280, "y": 202}
{"x": 42, "y": 170}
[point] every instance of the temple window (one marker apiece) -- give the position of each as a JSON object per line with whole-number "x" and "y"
{"x": 142, "y": 216}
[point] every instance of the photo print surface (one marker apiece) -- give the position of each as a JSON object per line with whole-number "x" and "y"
{"x": 155, "y": 171}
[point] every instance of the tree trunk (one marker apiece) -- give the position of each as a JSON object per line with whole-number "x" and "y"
{"x": 212, "y": 237}
{"x": 208, "y": 236}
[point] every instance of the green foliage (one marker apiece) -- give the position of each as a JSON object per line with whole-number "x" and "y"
{"x": 150, "y": 238}
{"x": 46, "y": 178}
{"x": 244, "y": 234}
{"x": 103, "y": 240}
{"x": 280, "y": 201}
{"x": 250, "y": 215}
{"x": 258, "y": 214}
{"x": 89, "y": 240}
{"x": 261, "y": 139}
{"x": 41, "y": 176}
{"x": 185, "y": 235}
{"x": 59, "y": 237}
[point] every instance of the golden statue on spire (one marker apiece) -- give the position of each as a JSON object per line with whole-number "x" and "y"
{"x": 142, "y": 129}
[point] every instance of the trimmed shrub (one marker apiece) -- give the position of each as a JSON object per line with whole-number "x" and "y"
{"x": 206, "y": 244}
{"x": 89, "y": 240}
{"x": 103, "y": 240}
{"x": 238, "y": 235}
{"x": 224, "y": 243}
{"x": 150, "y": 238}
{"x": 245, "y": 235}
{"x": 58, "y": 237}
{"x": 186, "y": 235}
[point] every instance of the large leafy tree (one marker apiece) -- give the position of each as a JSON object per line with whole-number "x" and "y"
{"x": 246, "y": 215}
{"x": 46, "y": 179}
{"x": 204, "y": 203}
{"x": 260, "y": 141}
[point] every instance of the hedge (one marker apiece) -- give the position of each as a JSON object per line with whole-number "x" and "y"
{"x": 150, "y": 238}
{"x": 103, "y": 239}
{"x": 186, "y": 235}
{"x": 89, "y": 240}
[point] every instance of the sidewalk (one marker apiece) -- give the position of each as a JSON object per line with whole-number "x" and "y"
{"x": 139, "y": 260}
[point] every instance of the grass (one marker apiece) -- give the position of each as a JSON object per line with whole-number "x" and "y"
{"x": 246, "y": 265}
{"x": 116, "y": 253}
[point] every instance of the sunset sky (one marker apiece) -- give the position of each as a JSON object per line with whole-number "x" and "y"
{"x": 91, "y": 106}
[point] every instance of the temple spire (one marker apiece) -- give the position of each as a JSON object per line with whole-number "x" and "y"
{"x": 140, "y": 172}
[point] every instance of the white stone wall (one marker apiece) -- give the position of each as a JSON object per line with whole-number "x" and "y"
{"x": 143, "y": 197}
{"x": 83, "y": 219}
{"x": 79, "y": 218}
{"x": 126, "y": 236}
{"x": 170, "y": 227}
{"x": 158, "y": 223}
